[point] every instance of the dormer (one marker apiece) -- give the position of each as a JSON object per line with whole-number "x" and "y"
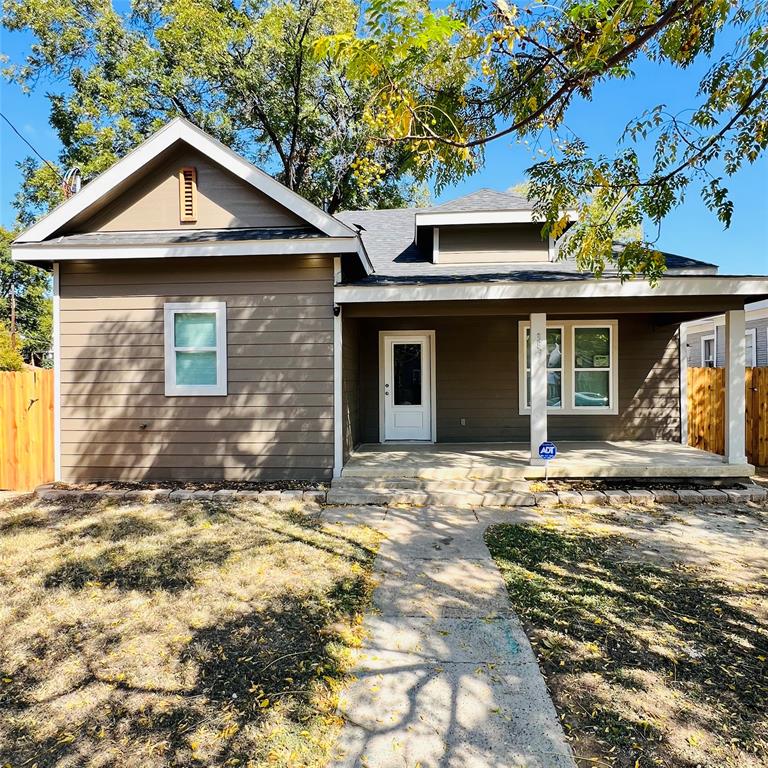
{"x": 485, "y": 227}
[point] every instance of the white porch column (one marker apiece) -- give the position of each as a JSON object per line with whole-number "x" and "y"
{"x": 735, "y": 401}
{"x": 682, "y": 338}
{"x": 538, "y": 384}
{"x": 338, "y": 411}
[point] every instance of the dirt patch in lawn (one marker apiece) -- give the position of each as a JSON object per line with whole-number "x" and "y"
{"x": 651, "y": 660}
{"x": 182, "y": 634}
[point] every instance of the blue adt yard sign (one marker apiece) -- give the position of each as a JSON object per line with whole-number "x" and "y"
{"x": 547, "y": 451}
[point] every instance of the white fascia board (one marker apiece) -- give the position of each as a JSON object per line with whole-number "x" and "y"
{"x": 245, "y": 248}
{"x": 365, "y": 259}
{"x": 180, "y": 129}
{"x": 554, "y": 289}
{"x": 435, "y": 219}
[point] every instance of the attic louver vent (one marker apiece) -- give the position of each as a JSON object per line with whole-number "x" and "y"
{"x": 188, "y": 194}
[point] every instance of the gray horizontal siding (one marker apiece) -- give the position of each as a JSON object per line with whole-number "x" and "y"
{"x": 760, "y": 327}
{"x": 276, "y": 420}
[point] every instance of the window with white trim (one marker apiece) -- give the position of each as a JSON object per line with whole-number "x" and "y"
{"x": 554, "y": 367}
{"x": 582, "y": 366}
{"x": 751, "y": 351}
{"x": 195, "y": 348}
{"x": 708, "y": 347}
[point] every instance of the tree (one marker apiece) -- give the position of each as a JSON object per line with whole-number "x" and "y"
{"x": 26, "y": 311}
{"x": 10, "y": 357}
{"x": 243, "y": 70}
{"x": 493, "y": 69}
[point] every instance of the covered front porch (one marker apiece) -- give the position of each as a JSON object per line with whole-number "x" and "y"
{"x": 637, "y": 459}
{"x": 471, "y": 389}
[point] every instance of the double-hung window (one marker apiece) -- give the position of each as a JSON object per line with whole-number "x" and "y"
{"x": 708, "y": 344}
{"x": 751, "y": 350}
{"x": 196, "y": 348}
{"x": 582, "y": 367}
{"x": 554, "y": 367}
{"x": 592, "y": 369}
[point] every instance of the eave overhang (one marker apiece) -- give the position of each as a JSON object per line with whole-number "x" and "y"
{"x": 746, "y": 288}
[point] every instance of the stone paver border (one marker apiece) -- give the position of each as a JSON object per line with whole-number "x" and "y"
{"x": 614, "y": 498}
{"x": 150, "y": 495}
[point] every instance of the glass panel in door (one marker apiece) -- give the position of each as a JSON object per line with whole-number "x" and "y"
{"x": 407, "y": 374}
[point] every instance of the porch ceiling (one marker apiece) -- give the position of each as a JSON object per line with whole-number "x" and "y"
{"x": 630, "y": 459}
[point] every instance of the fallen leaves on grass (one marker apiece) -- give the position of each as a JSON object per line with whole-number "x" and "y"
{"x": 164, "y": 635}
{"x": 649, "y": 664}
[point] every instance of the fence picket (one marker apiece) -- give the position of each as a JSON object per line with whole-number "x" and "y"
{"x": 706, "y": 411}
{"x": 26, "y": 428}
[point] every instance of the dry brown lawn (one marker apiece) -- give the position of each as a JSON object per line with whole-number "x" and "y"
{"x": 651, "y": 629}
{"x": 148, "y": 635}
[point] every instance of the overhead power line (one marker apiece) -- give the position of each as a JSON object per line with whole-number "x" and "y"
{"x": 24, "y": 139}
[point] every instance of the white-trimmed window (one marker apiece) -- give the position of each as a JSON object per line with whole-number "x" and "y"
{"x": 582, "y": 367}
{"x": 554, "y": 366}
{"x": 708, "y": 351}
{"x": 751, "y": 348}
{"x": 196, "y": 348}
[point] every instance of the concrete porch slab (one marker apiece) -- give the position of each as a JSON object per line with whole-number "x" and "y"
{"x": 483, "y": 461}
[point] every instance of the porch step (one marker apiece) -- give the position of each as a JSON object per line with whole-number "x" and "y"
{"x": 474, "y": 485}
{"x": 401, "y": 470}
{"x": 428, "y": 493}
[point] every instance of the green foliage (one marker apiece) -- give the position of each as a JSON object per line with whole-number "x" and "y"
{"x": 451, "y": 80}
{"x": 31, "y": 288}
{"x": 10, "y": 357}
{"x": 246, "y": 72}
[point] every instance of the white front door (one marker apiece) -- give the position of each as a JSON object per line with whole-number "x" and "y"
{"x": 407, "y": 385}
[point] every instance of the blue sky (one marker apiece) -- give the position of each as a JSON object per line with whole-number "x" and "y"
{"x": 691, "y": 230}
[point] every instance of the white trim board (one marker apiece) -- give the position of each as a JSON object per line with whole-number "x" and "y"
{"x": 246, "y": 248}
{"x": 449, "y": 218}
{"x": 338, "y": 379}
{"x": 56, "y": 374}
{"x": 180, "y": 129}
{"x": 608, "y": 288}
{"x": 682, "y": 364}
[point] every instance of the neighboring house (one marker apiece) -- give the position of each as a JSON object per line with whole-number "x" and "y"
{"x": 705, "y": 339}
{"x": 210, "y": 324}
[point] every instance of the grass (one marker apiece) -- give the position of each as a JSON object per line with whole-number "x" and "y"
{"x": 649, "y": 663}
{"x": 175, "y": 635}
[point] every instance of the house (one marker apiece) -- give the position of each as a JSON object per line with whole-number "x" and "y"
{"x": 705, "y": 339}
{"x": 210, "y": 324}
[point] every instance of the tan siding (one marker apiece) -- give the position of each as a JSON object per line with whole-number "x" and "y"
{"x": 477, "y": 380}
{"x": 492, "y": 243}
{"x": 276, "y": 420}
{"x": 223, "y": 201}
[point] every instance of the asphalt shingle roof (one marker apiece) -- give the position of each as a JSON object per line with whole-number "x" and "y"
{"x": 388, "y": 236}
{"x": 484, "y": 200}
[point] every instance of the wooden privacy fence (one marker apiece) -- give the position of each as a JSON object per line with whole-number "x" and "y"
{"x": 26, "y": 428}
{"x": 706, "y": 411}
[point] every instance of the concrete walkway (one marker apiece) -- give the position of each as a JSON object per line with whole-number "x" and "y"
{"x": 448, "y": 678}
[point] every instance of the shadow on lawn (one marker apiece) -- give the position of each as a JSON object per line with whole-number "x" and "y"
{"x": 259, "y": 680}
{"x": 645, "y": 662}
